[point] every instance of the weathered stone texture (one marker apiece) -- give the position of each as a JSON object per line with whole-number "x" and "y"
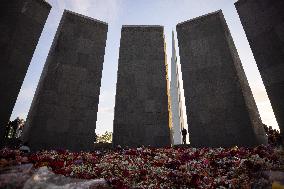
{"x": 220, "y": 108}
{"x": 21, "y": 24}
{"x": 64, "y": 109}
{"x": 141, "y": 106}
{"x": 263, "y": 22}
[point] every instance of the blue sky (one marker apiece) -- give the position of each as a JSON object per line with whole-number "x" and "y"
{"x": 138, "y": 12}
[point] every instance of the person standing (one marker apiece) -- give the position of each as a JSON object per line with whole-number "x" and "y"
{"x": 184, "y": 133}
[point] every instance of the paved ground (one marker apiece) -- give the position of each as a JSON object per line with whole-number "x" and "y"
{"x": 25, "y": 176}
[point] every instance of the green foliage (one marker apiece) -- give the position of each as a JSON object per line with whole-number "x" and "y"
{"x": 105, "y": 138}
{"x": 14, "y": 128}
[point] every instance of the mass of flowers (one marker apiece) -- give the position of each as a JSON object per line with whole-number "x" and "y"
{"x": 182, "y": 167}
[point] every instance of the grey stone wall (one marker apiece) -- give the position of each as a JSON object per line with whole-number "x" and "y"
{"x": 263, "y": 22}
{"x": 21, "y": 24}
{"x": 64, "y": 109}
{"x": 142, "y": 103}
{"x": 221, "y": 111}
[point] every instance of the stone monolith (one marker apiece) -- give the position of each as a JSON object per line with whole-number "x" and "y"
{"x": 64, "y": 109}
{"x": 221, "y": 110}
{"x": 263, "y": 22}
{"x": 21, "y": 24}
{"x": 142, "y": 108}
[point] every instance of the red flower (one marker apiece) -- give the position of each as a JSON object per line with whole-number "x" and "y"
{"x": 185, "y": 157}
{"x": 131, "y": 152}
{"x": 125, "y": 173}
{"x": 195, "y": 180}
{"x": 143, "y": 172}
{"x": 56, "y": 164}
{"x": 173, "y": 164}
{"x": 118, "y": 184}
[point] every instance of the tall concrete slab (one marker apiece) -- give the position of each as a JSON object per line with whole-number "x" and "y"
{"x": 176, "y": 103}
{"x": 263, "y": 22}
{"x": 64, "y": 109}
{"x": 221, "y": 111}
{"x": 21, "y": 24}
{"x": 142, "y": 108}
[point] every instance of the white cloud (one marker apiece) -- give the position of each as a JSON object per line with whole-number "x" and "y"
{"x": 259, "y": 93}
{"x": 264, "y": 106}
{"x": 106, "y": 110}
{"x": 26, "y": 93}
{"x": 107, "y": 96}
{"x": 105, "y": 10}
{"x": 22, "y": 115}
{"x": 23, "y": 102}
{"x": 60, "y": 3}
{"x": 105, "y": 120}
{"x": 267, "y": 114}
{"x": 80, "y": 6}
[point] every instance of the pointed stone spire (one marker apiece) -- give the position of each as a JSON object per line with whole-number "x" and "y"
{"x": 177, "y": 113}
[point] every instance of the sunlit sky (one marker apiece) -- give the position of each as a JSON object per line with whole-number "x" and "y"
{"x": 116, "y": 13}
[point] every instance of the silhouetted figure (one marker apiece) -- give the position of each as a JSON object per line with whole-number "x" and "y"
{"x": 184, "y": 133}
